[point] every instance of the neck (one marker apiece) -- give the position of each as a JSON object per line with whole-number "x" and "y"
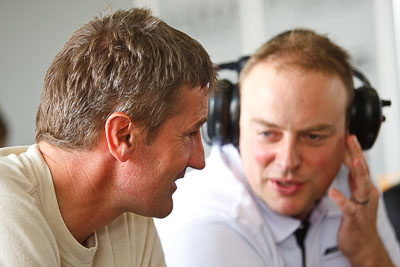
{"x": 82, "y": 188}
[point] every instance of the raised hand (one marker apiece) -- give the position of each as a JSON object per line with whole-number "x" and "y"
{"x": 358, "y": 237}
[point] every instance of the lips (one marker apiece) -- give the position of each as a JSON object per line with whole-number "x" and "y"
{"x": 286, "y": 187}
{"x": 181, "y": 174}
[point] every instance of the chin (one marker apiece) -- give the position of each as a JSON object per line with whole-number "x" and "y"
{"x": 288, "y": 208}
{"x": 162, "y": 214}
{"x": 291, "y": 213}
{"x": 155, "y": 209}
{"x": 164, "y": 210}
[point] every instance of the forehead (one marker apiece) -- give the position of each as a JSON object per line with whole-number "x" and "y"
{"x": 274, "y": 75}
{"x": 286, "y": 93}
{"x": 288, "y": 63}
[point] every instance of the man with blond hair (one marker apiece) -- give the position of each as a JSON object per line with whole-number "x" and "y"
{"x": 297, "y": 190}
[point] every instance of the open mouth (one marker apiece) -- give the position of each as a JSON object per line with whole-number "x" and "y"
{"x": 286, "y": 187}
{"x": 286, "y": 184}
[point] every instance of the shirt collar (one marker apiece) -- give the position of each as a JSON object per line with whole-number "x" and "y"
{"x": 283, "y": 226}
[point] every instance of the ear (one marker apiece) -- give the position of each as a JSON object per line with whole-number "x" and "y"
{"x": 119, "y": 135}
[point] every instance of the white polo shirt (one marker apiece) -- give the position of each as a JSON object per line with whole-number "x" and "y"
{"x": 217, "y": 221}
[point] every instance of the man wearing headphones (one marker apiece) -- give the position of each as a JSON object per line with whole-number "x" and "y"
{"x": 299, "y": 191}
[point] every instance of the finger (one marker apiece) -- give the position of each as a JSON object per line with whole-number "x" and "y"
{"x": 350, "y": 153}
{"x": 348, "y": 160}
{"x": 360, "y": 182}
{"x": 346, "y": 206}
{"x": 354, "y": 149}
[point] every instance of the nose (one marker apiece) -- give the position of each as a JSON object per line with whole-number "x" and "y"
{"x": 288, "y": 157}
{"x": 196, "y": 160}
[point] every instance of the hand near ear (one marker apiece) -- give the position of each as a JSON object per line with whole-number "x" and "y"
{"x": 119, "y": 135}
{"x": 358, "y": 237}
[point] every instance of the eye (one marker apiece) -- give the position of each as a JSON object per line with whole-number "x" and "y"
{"x": 269, "y": 136}
{"x": 266, "y": 133}
{"x": 194, "y": 133}
{"x": 313, "y": 138}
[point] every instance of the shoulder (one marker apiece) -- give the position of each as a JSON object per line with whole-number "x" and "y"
{"x": 22, "y": 228}
{"x": 17, "y": 187}
{"x": 20, "y": 236}
{"x": 20, "y": 168}
{"x": 213, "y": 242}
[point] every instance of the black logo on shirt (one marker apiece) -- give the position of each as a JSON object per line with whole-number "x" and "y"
{"x": 331, "y": 250}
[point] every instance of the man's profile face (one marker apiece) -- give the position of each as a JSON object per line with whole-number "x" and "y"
{"x": 150, "y": 175}
{"x": 292, "y": 134}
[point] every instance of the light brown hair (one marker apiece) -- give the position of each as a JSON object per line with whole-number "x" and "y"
{"x": 130, "y": 62}
{"x": 308, "y": 50}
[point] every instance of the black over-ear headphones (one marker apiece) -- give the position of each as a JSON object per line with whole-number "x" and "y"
{"x": 224, "y": 110}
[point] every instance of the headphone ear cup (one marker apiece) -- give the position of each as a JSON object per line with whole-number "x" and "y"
{"x": 366, "y": 116}
{"x": 219, "y": 119}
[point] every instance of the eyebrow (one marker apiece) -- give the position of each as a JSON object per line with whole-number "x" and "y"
{"x": 265, "y": 123}
{"x": 318, "y": 127}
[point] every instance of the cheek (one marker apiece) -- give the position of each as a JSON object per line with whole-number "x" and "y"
{"x": 261, "y": 155}
{"x": 255, "y": 156}
{"x": 319, "y": 159}
{"x": 174, "y": 162}
{"x": 330, "y": 157}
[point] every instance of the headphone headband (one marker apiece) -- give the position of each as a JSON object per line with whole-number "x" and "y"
{"x": 224, "y": 110}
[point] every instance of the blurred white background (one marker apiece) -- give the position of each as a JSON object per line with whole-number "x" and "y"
{"x": 32, "y": 32}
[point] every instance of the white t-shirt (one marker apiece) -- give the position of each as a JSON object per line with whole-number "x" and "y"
{"x": 217, "y": 221}
{"x": 33, "y": 233}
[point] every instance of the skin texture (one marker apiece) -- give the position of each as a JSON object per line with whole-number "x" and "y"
{"x": 293, "y": 132}
{"x": 150, "y": 171}
{"x": 124, "y": 173}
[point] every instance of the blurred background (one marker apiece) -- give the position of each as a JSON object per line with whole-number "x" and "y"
{"x": 32, "y": 32}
